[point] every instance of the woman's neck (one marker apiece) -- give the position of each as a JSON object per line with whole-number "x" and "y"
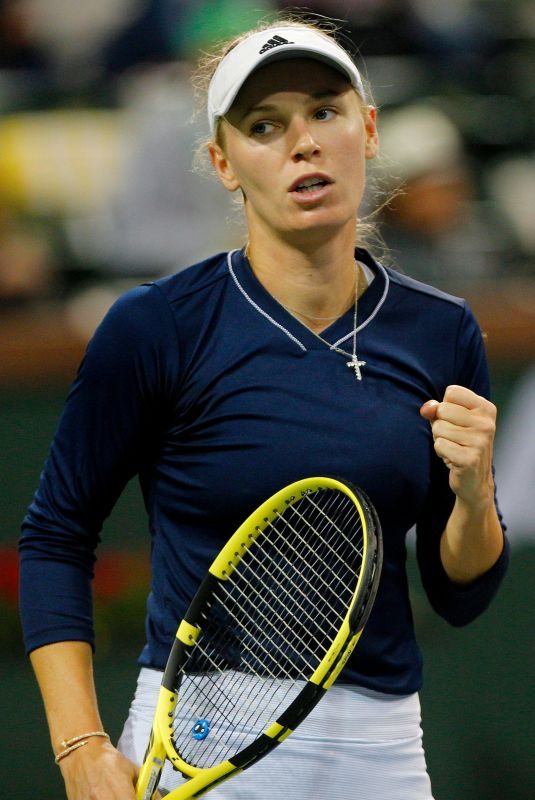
{"x": 317, "y": 285}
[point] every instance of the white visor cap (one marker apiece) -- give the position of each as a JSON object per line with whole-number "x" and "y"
{"x": 273, "y": 44}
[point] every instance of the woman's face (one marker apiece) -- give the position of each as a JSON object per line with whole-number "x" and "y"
{"x": 295, "y": 142}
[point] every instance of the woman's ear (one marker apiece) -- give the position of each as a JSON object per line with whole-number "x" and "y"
{"x": 372, "y": 137}
{"x": 223, "y": 168}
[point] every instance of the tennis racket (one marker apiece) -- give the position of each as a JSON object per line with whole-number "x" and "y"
{"x": 267, "y": 633}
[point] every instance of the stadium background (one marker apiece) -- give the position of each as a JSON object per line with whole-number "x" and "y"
{"x": 96, "y": 193}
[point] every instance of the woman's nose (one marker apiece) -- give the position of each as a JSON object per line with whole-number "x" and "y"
{"x": 305, "y": 145}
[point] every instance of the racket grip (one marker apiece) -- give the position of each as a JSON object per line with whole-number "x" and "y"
{"x": 151, "y": 769}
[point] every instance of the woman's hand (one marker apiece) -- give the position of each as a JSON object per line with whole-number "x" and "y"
{"x": 463, "y": 426}
{"x": 97, "y": 771}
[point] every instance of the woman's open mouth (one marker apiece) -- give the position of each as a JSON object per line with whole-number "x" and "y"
{"x": 311, "y": 187}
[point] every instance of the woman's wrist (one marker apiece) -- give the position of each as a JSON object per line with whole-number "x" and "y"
{"x": 74, "y": 743}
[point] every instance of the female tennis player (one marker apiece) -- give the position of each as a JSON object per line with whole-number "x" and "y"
{"x": 297, "y": 355}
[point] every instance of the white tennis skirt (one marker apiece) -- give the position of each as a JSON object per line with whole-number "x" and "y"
{"x": 355, "y": 745}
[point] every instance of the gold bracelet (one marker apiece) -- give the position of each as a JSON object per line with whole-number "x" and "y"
{"x": 70, "y": 745}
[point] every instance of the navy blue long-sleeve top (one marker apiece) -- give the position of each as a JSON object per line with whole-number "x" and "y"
{"x": 215, "y": 396}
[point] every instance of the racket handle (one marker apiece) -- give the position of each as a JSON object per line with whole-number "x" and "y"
{"x": 149, "y": 774}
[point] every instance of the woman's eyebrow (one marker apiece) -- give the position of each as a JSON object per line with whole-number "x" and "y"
{"x": 323, "y": 94}
{"x": 254, "y": 109}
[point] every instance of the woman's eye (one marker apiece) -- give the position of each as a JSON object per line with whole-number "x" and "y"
{"x": 325, "y": 113}
{"x": 262, "y": 128}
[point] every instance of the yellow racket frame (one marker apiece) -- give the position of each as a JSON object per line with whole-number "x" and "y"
{"x": 160, "y": 744}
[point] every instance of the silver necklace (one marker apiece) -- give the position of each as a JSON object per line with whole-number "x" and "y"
{"x": 354, "y": 363}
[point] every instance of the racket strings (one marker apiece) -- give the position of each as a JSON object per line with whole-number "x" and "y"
{"x": 243, "y": 613}
{"x": 332, "y": 520}
{"x": 289, "y": 611}
{"x": 335, "y": 590}
{"x": 300, "y": 595}
{"x": 269, "y": 625}
{"x": 231, "y": 700}
{"x": 286, "y": 614}
{"x": 323, "y": 559}
{"x": 333, "y": 567}
{"x": 275, "y": 615}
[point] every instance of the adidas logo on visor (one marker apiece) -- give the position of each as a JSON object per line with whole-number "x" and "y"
{"x": 275, "y": 42}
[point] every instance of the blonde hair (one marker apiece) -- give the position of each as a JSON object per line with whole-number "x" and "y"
{"x": 367, "y": 231}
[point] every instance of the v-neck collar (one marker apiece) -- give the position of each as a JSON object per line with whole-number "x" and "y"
{"x": 336, "y": 335}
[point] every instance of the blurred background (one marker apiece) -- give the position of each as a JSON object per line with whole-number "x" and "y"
{"x": 97, "y": 194}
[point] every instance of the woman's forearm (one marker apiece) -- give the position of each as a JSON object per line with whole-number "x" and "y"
{"x": 64, "y": 672}
{"x": 472, "y": 541}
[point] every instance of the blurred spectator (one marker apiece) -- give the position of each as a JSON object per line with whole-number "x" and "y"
{"x": 26, "y": 267}
{"x": 73, "y": 35}
{"x": 377, "y": 27}
{"x": 169, "y": 29}
{"x": 18, "y": 50}
{"x": 464, "y": 36}
{"x": 453, "y": 32}
{"x": 511, "y": 184}
{"x": 52, "y": 164}
{"x": 89, "y": 43}
{"x": 515, "y": 460}
{"x": 434, "y": 223}
{"x": 153, "y": 35}
{"x": 162, "y": 216}
{"x": 414, "y": 48}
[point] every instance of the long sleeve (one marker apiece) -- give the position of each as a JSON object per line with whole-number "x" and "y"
{"x": 110, "y": 425}
{"x": 459, "y": 605}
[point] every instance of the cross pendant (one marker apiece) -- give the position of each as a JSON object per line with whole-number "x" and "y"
{"x": 356, "y": 365}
